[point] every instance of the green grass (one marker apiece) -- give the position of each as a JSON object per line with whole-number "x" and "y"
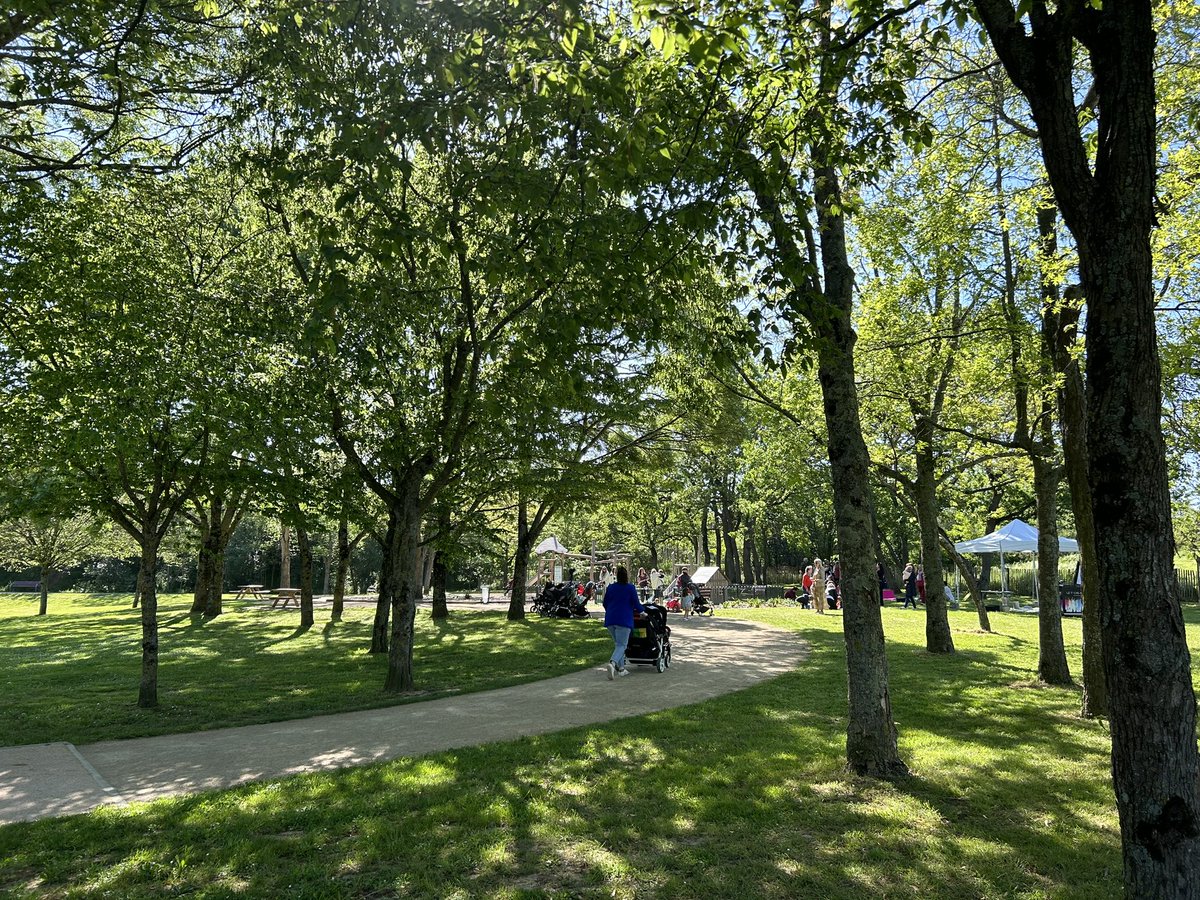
{"x": 73, "y": 675}
{"x": 744, "y": 796}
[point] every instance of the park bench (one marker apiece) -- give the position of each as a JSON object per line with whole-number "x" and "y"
{"x": 24, "y": 585}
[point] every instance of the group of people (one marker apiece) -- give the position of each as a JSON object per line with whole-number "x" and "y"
{"x": 818, "y": 588}
{"x": 650, "y": 583}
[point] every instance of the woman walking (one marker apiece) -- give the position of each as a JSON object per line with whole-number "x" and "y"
{"x": 909, "y": 578}
{"x": 620, "y": 603}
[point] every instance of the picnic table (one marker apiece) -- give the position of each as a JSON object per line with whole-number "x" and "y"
{"x": 287, "y": 595}
{"x": 257, "y": 591}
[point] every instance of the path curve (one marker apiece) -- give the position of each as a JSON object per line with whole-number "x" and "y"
{"x": 711, "y": 657}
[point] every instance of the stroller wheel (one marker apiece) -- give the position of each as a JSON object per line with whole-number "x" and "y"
{"x": 660, "y": 664}
{"x": 667, "y": 658}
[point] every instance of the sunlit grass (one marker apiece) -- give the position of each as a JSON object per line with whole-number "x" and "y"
{"x": 73, "y": 675}
{"x": 744, "y": 796}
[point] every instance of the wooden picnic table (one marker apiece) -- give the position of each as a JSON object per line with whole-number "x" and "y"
{"x": 287, "y": 595}
{"x": 257, "y": 591}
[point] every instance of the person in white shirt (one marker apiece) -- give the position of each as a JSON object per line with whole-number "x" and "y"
{"x": 656, "y": 583}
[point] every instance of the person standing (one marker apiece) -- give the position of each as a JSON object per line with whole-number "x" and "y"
{"x": 806, "y": 584}
{"x": 909, "y": 578}
{"x": 656, "y": 583}
{"x": 818, "y": 586}
{"x": 921, "y": 582}
{"x": 620, "y": 603}
{"x": 643, "y": 584}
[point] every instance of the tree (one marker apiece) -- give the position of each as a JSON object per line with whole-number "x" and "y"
{"x": 1106, "y": 198}
{"x": 111, "y": 298}
{"x": 118, "y": 85}
{"x": 489, "y": 207}
{"x": 47, "y": 543}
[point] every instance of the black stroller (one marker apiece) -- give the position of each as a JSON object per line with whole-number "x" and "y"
{"x": 561, "y": 601}
{"x": 701, "y": 605}
{"x": 650, "y": 640}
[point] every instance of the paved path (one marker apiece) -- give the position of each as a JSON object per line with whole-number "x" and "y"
{"x": 711, "y": 657}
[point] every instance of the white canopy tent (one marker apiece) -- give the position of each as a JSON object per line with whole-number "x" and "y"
{"x": 551, "y": 545}
{"x": 1015, "y": 537}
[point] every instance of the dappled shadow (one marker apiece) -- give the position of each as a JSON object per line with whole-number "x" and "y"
{"x": 743, "y": 796}
{"x": 741, "y": 801}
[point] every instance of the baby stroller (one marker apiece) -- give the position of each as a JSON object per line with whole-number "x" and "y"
{"x": 650, "y": 640}
{"x": 700, "y": 605}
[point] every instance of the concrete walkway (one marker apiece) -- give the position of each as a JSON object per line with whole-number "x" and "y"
{"x": 711, "y": 657}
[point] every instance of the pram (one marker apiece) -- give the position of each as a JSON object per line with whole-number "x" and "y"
{"x": 650, "y": 640}
{"x": 561, "y": 601}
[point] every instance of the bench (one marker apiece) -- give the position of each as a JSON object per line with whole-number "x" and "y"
{"x": 24, "y": 585}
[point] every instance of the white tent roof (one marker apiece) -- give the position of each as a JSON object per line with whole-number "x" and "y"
{"x": 703, "y": 574}
{"x": 551, "y": 545}
{"x": 1015, "y": 537}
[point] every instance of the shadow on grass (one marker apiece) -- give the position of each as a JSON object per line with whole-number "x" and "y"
{"x": 744, "y": 796}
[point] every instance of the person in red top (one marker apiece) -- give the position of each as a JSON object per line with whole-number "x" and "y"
{"x": 921, "y": 582}
{"x": 806, "y": 584}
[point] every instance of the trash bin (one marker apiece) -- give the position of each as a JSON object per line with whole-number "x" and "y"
{"x": 486, "y": 591}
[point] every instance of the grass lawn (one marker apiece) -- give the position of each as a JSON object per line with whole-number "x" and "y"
{"x": 743, "y": 796}
{"x": 73, "y": 675}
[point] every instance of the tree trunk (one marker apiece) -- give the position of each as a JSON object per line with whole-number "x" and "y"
{"x": 1110, "y": 212}
{"x": 404, "y": 552}
{"x": 216, "y": 540}
{"x": 383, "y": 604}
{"x": 343, "y": 567}
{"x": 760, "y": 571}
{"x": 516, "y": 599}
{"x": 871, "y": 732}
{"x": 307, "y": 618}
{"x": 327, "y": 573}
{"x": 964, "y": 568}
{"x": 1152, "y": 704}
{"x": 1072, "y": 414}
{"x": 285, "y": 557}
{"x": 732, "y": 567}
{"x": 937, "y": 621}
{"x": 44, "y": 590}
{"x": 438, "y": 584}
{"x": 148, "y": 688}
{"x": 747, "y": 544}
{"x": 1052, "y": 655}
{"x": 427, "y": 555}
{"x": 704, "y": 547}
{"x": 204, "y": 564}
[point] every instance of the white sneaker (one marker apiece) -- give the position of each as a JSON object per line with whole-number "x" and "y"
{"x": 611, "y": 669}
{"x": 622, "y": 672}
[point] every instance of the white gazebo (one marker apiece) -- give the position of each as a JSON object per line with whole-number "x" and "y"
{"x": 1015, "y": 537}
